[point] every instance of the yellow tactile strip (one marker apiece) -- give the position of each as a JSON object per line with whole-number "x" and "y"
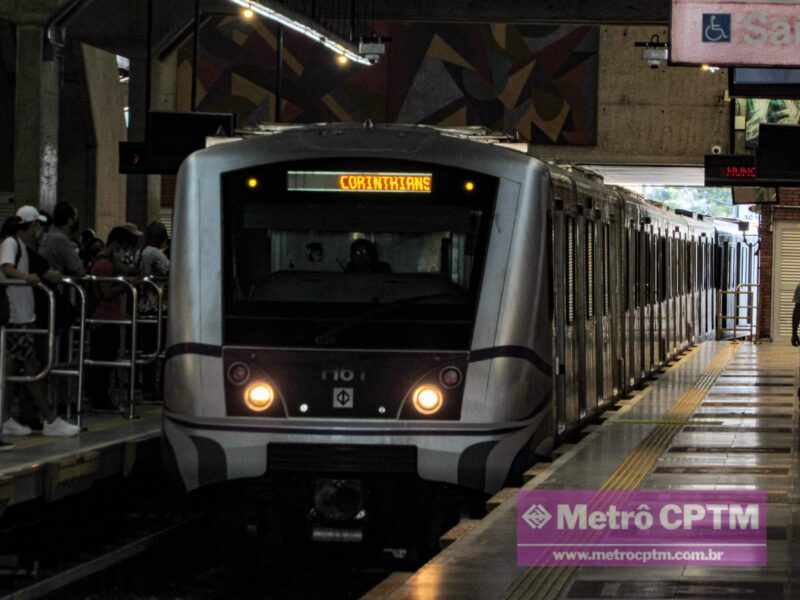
{"x": 548, "y": 583}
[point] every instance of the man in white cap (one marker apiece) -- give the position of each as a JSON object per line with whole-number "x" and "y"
{"x": 15, "y": 264}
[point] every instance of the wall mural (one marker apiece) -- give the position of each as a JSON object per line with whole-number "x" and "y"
{"x": 538, "y": 80}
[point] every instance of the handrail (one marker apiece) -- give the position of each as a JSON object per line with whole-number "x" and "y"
{"x": 750, "y": 308}
{"x": 131, "y": 364}
{"x": 52, "y": 368}
{"x": 74, "y": 284}
{"x": 5, "y": 330}
{"x": 150, "y": 358}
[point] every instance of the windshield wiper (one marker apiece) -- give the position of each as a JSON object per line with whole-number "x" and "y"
{"x": 328, "y": 337}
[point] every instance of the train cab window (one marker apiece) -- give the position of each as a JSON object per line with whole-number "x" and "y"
{"x": 570, "y": 274}
{"x": 398, "y": 269}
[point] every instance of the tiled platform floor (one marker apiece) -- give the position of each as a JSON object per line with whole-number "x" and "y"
{"x": 742, "y": 436}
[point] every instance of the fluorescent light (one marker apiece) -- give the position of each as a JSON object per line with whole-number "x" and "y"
{"x": 297, "y": 23}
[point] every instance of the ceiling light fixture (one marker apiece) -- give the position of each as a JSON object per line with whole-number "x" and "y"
{"x": 300, "y": 24}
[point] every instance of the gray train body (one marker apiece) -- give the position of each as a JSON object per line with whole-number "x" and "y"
{"x": 584, "y": 292}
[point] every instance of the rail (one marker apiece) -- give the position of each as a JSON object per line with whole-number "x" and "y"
{"x": 748, "y": 328}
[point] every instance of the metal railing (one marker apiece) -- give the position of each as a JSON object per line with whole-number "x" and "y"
{"x": 50, "y": 332}
{"x": 75, "y": 367}
{"x": 748, "y": 327}
{"x": 134, "y": 360}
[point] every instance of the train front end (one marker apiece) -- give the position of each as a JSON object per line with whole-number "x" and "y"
{"x": 340, "y": 331}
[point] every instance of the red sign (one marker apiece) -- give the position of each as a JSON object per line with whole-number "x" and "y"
{"x": 732, "y": 32}
{"x": 740, "y": 172}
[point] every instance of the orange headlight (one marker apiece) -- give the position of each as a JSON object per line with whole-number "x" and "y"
{"x": 428, "y": 399}
{"x": 259, "y": 397}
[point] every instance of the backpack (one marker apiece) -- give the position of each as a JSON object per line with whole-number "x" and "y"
{"x": 5, "y": 304}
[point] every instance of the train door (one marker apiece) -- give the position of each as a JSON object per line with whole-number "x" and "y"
{"x": 572, "y": 369}
{"x": 591, "y": 345}
{"x": 564, "y": 302}
{"x": 684, "y": 312}
{"x": 649, "y": 300}
{"x": 616, "y": 291}
{"x": 676, "y": 290}
{"x": 605, "y": 376}
{"x": 631, "y": 290}
{"x": 701, "y": 287}
{"x": 688, "y": 289}
{"x": 641, "y": 304}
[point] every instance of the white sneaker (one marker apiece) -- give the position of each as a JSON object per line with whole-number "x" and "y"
{"x": 11, "y": 427}
{"x": 60, "y": 428}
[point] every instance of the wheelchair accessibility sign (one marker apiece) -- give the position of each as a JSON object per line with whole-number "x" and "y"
{"x": 716, "y": 28}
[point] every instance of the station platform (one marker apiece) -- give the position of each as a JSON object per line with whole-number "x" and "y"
{"x": 723, "y": 418}
{"x": 51, "y": 468}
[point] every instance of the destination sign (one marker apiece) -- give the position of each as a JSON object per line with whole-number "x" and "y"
{"x": 725, "y": 170}
{"x": 359, "y": 182}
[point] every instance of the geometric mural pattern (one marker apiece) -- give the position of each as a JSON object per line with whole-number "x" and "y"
{"x": 537, "y": 80}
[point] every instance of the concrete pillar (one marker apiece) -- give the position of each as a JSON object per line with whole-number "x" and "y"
{"x": 137, "y": 211}
{"x": 36, "y": 122}
{"x": 107, "y": 102}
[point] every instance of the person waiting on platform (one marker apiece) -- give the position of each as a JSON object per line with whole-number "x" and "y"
{"x": 364, "y": 259}
{"x": 15, "y": 264}
{"x": 58, "y": 245}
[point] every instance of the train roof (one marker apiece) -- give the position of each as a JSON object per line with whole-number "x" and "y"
{"x": 484, "y": 135}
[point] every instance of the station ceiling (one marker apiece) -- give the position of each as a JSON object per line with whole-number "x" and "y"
{"x": 120, "y": 26}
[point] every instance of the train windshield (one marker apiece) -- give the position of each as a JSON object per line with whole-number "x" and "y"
{"x": 387, "y": 256}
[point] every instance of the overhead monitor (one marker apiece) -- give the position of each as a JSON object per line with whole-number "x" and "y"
{"x": 755, "y": 195}
{"x": 730, "y": 170}
{"x": 765, "y": 83}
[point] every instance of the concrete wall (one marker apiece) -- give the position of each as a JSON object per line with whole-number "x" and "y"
{"x": 671, "y": 115}
{"x": 8, "y": 59}
{"x": 788, "y": 210}
{"x": 107, "y": 103}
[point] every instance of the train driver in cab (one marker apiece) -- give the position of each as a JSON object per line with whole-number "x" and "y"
{"x": 364, "y": 259}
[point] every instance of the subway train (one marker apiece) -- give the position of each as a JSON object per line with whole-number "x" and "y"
{"x": 371, "y": 323}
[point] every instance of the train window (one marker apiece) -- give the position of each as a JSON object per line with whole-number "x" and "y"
{"x": 589, "y": 270}
{"x": 377, "y": 270}
{"x": 570, "y": 226}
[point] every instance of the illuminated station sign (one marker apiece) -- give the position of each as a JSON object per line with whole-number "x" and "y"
{"x": 722, "y": 170}
{"x": 359, "y": 182}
